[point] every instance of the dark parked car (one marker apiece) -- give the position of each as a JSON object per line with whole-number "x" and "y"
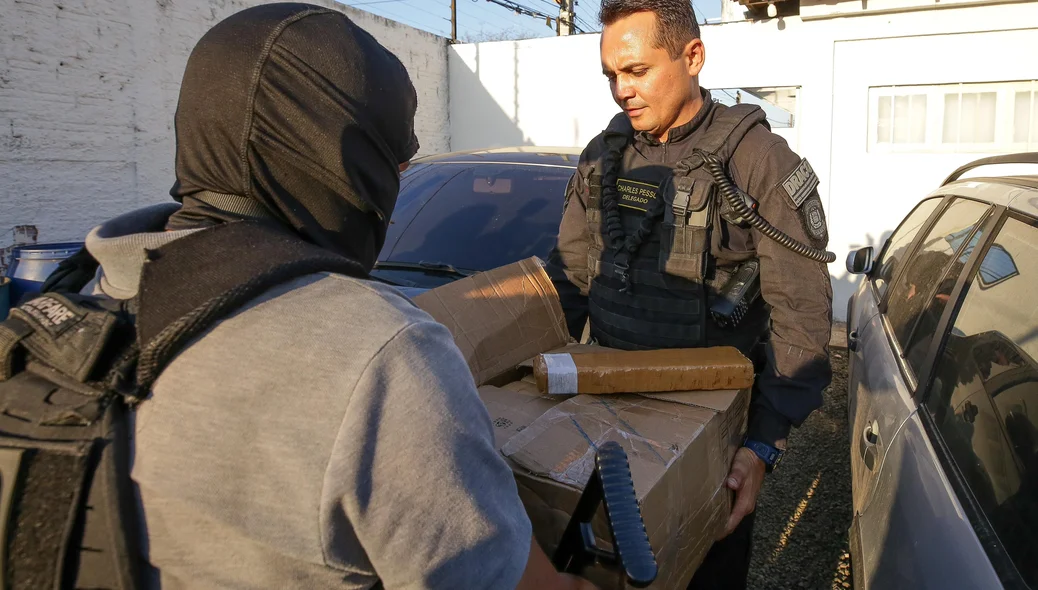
{"x": 466, "y": 212}
{"x": 943, "y": 386}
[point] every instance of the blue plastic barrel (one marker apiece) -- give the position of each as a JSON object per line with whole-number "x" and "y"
{"x": 30, "y": 265}
{"x": 5, "y": 297}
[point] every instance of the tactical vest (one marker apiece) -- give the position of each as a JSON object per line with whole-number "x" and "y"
{"x": 73, "y": 367}
{"x": 651, "y": 270}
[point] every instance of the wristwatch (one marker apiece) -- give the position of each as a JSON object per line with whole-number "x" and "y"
{"x": 767, "y": 453}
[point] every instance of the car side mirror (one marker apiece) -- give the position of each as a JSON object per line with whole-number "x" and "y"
{"x": 859, "y": 262}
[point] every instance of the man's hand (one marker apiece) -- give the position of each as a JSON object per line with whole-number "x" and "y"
{"x": 745, "y": 480}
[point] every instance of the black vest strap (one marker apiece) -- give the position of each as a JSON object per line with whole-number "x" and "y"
{"x": 236, "y": 204}
{"x": 729, "y": 127}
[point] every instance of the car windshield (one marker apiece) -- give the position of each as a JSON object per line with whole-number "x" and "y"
{"x": 485, "y": 216}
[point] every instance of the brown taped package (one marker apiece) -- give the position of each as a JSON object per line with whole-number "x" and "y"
{"x": 642, "y": 371}
{"x": 679, "y": 444}
{"x": 501, "y": 317}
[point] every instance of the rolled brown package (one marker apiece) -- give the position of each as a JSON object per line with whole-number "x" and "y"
{"x": 643, "y": 371}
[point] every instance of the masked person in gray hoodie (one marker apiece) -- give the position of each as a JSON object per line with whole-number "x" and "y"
{"x": 326, "y": 433}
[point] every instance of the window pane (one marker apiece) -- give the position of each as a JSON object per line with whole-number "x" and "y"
{"x": 919, "y": 281}
{"x": 962, "y": 242}
{"x": 417, "y": 185}
{"x": 487, "y": 216}
{"x": 883, "y": 120}
{"x": 918, "y": 108}
{"x": 985, "y": 125}
{"x": 898, "y": 244}
{"x": 984, "y": 398}
{"x": 1022, "y": 117}
{"x": 976, "y": 118}
{"x": 1034, "y": 119}
{"x": 901, "y": 119}
{"x": 968, "y": 118}
{"x": 951, "y": 118}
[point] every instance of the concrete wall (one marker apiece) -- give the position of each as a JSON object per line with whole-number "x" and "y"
{"x": 552, "y": 92}
{"x": 88, "y": 89}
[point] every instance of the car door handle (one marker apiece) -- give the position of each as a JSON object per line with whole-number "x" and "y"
{"x": 869, "y": 441}
{"x": 852, "y": 341}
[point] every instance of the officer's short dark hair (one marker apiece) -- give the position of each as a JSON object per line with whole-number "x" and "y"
{"x": 676, "y": 20}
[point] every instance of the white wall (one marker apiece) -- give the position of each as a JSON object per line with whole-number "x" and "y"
{"x": 534, "y": 92}
{"x": 88, "y": 89}
{"x": 824, "y": 8}
{"x": 515, "y": 92}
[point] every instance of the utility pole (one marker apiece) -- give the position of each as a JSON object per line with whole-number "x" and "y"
{"x": 454, "y": 21}
{"x": 567, "y": 15}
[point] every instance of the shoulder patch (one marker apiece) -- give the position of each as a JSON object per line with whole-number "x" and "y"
{"x": 814, "y": 220}
{"x": 800, "y": 183}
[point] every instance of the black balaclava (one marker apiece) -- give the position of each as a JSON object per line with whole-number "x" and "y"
{"x": 292, "y": 112}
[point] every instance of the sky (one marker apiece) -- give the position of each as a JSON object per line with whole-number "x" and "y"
{"x": 482, "y": 20}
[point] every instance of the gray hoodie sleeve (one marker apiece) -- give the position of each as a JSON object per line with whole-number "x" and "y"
{"x": 416, "y": 476}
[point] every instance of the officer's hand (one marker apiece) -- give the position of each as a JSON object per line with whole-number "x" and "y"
{"x": 745, "y": 480}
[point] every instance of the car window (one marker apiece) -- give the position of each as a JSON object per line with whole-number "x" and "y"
{"x": 962, "y": 243}
{"x": 984, "y": 397}
{"x": 897, "y": 246}
{"x": 486, "y": 216}
{"x": 914, "y": 289}
{"x": 417, "y": 185}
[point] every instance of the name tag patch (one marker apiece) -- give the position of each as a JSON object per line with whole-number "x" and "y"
{"x": 800, "y": 183}
{"x": 635, "y": 194}
{"x": 52, "y": 315}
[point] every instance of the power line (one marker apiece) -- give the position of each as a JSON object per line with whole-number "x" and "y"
{"x": 592, "y": 14}
{"x": 440, "y": 16}
{"x": 400, "y": 18}
{"x": 411, "y": 23}
{"x": 527, "y": 11}
{"x": 500, "y": 25}
{"x": 587, "y": 23}
{"x": 499, "y": 16}
{"x": 492, "y": 15}
{"x": 487, "y": 17}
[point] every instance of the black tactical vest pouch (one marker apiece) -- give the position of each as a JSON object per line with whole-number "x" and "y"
{"x": 594, "y": 210}
{"x": 685, "y": 229}
{"x": 66, "y": 506}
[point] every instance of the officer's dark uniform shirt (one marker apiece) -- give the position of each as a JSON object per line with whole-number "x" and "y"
{"x": 796, "y": 291}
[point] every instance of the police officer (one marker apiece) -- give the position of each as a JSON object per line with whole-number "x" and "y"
{"x": 648, "y": 245}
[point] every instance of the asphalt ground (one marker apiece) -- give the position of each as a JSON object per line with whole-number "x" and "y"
{"x": 804, "y": 510}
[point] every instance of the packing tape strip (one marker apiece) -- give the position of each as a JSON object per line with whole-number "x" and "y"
{"x": 562, "y": 373}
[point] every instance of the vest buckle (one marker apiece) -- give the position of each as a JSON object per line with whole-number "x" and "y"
{"x": 682, "y": 198}
{"x": 620, "y": 267}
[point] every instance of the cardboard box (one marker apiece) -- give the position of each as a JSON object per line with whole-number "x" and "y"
{"x": 679, "y": 444}
{"x": 638, "y": 371}
{"x": 679, "y": 449}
